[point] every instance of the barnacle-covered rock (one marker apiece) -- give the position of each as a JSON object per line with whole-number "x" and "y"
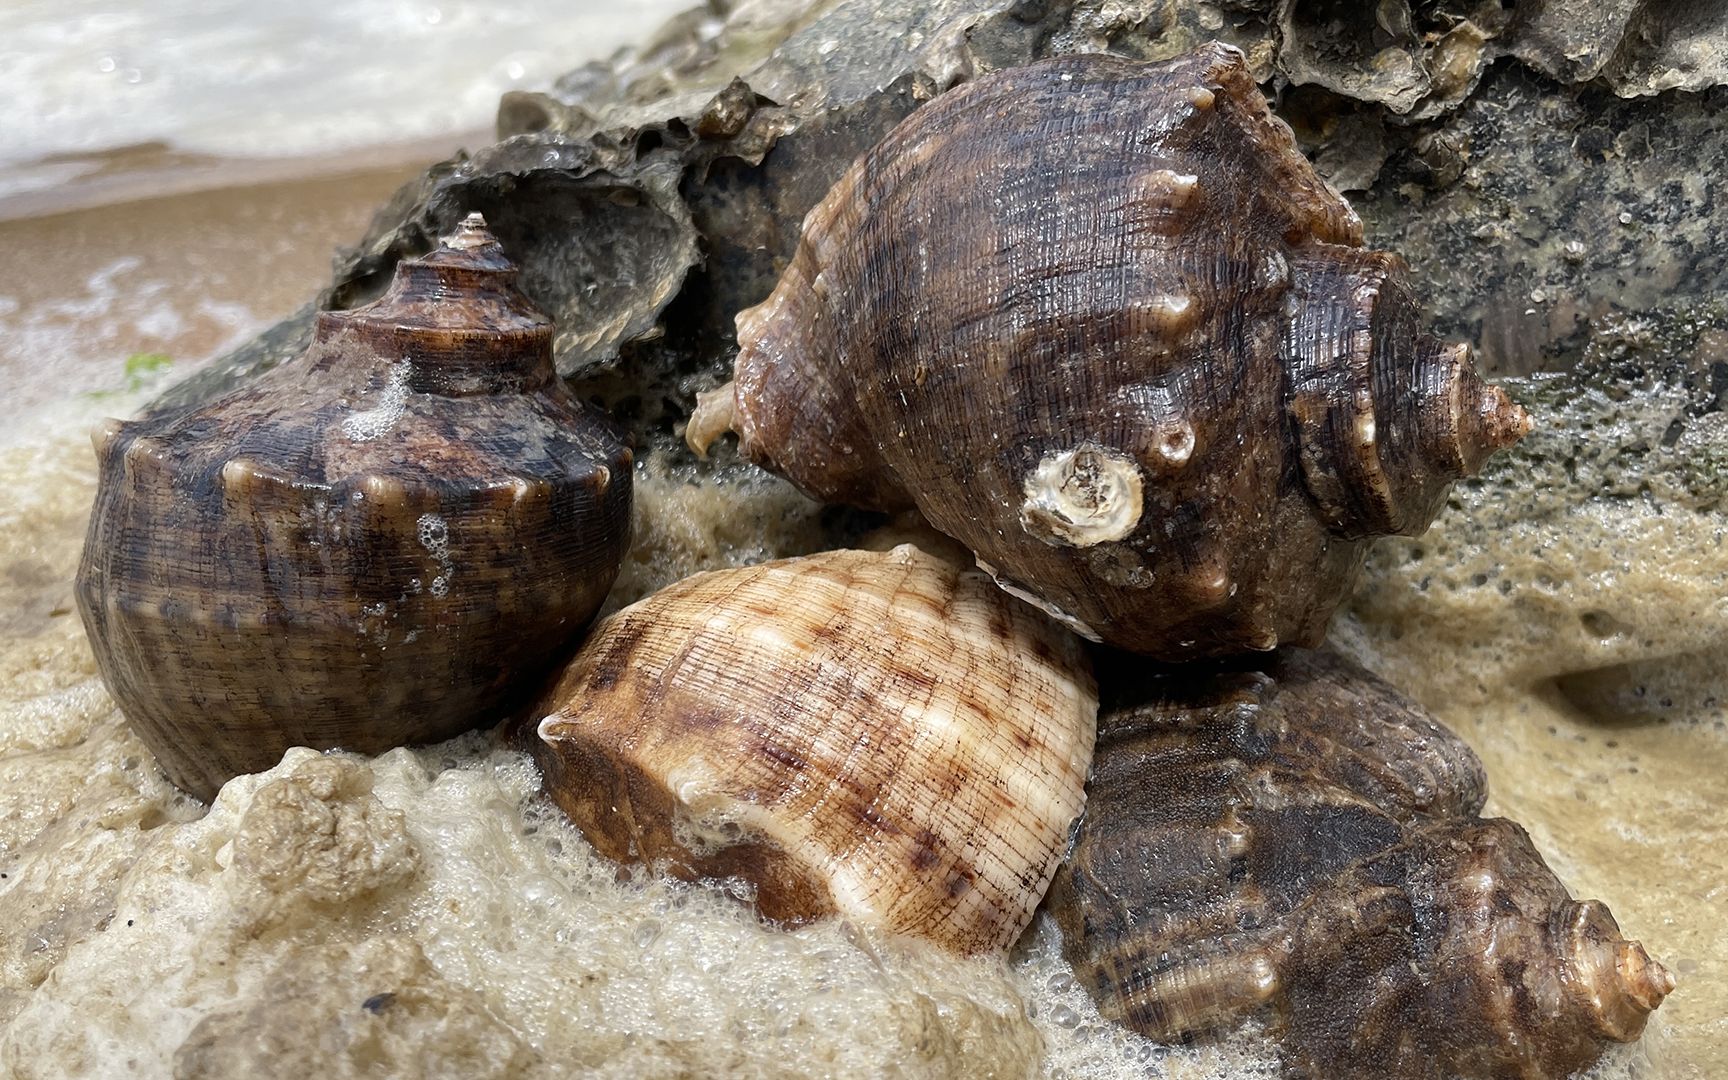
{"x": 1302, "y": 844}
{"x": 1640, "y": 46}
{"x": 386, "y": 542}
{"x": 1152, "y": 380}
{"x": 663, "y": 154}
{"x": 876, "y": 735}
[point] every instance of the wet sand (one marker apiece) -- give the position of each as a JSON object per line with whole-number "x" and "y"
{"x": 183, "y": 276}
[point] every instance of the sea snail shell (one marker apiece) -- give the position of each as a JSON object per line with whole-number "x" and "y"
{"x": 1100, "y": 321}
{"x": 879, "y": 736}
{"x": 1303, "y": 845}
{"x": 382, "y": 542}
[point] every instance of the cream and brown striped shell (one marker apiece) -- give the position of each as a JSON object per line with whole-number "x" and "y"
{"x": 881, "y": 736}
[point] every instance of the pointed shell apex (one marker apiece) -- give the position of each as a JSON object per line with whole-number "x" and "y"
{"x": 1506, "y": 421}
{"x": 472, "y": 233}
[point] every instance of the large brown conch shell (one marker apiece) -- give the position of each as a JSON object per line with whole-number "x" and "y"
{"x": 1100, "y": 321}
{"x": 384, "y": 542}
{"x": 1303, "y": 845}
{"x": 879, "y": 736}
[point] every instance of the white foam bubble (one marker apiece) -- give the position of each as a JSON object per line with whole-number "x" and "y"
{"x": 369, "y": 424}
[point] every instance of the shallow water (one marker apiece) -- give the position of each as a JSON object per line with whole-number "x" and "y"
{"x": 91, "y": 85}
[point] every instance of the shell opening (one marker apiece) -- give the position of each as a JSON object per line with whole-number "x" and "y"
{"x": 716, "y": 413}
{"x": 1081, "y": 497}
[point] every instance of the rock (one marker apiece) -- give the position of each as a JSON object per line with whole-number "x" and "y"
{"x": 1640, "y": 46}
{"x": 652, "y": 196}
{"x": 327, "y": 1016}
{"x": 421, "y": 914}
{"x": 1590, "y": 557}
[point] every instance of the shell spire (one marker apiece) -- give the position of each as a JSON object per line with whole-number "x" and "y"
{"x": 1488, "y": 419}
{"x": 1618, "y": 981}
{"x": 442, "y": 306}
{"x": 473, "y": 235}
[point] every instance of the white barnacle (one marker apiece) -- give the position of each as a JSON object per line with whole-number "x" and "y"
{"x": 1173, "y": 442}
{"x": 1081, "y": 497}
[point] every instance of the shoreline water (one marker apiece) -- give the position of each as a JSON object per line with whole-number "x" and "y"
{"x": 174, "y": 278}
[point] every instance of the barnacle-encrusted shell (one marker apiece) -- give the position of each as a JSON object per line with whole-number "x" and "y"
{"x": 1304, "y": 844}
{"x": 881, "y": 736}
{"x": 387, "y": 541}
{"x": 1100, "y": 321}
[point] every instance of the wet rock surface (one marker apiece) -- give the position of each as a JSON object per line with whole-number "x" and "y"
{"x": 1504, "y": 152}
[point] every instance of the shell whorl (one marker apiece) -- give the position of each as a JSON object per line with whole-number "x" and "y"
{"x": 1386, "y": 415}
{"x": 457, "y": 315}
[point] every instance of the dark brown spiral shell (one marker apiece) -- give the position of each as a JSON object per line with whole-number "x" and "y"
{"x": 1301, "y": 844}
{"x": 1101, "y": 321}
{"x": 387, "y": 541}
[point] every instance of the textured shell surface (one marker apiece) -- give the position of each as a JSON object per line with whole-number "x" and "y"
{"x": 1301, "y": 843}
{"x": 879, "y": 736}
{"x": 1101, "y": 321}
{"x": 379, "y": 543}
